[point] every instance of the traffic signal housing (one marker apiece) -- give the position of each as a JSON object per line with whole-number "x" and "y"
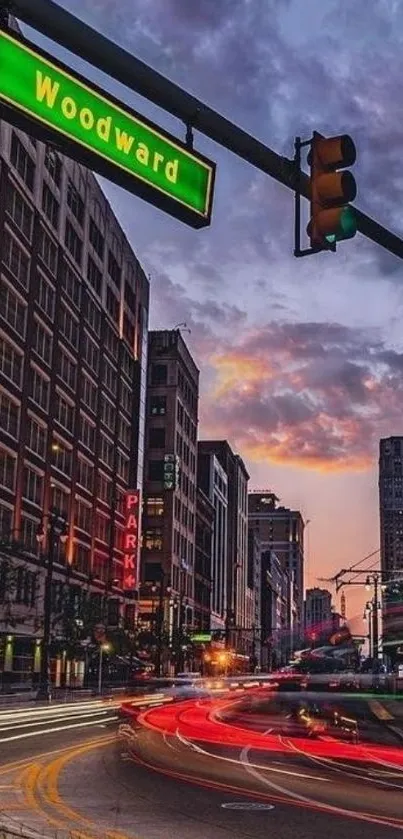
{"x": 332, "y": 219}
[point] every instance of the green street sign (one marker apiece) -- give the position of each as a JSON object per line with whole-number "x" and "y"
{"x": 201, "y": 637}
{"x": 95, "y": 129}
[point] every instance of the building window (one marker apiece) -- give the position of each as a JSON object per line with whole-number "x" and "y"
{"x": 62, "y": 458}
{"x": 22, "y": 161}
{"x": 67, "y": 369}
{"x": 107, "y": 451}
{"x": 32, "y": 486}
{"x": 60, "y": 499}
{"x": 104, "y": 487}
{"x": 130, "y": 297}
{"x": 110, "y": 377}
{"x": 126, "y": 397}
{"x": 7, "y": 469}
{"x": 154, "y": 505}
{"x": 50, "y": 206}
{"x": 69, "y": 327}
{"x": 152, "y": 540}
{"x": 93, "y": 316}
{"x": 102, "y": 530}
{"x": 75, "y": 202}
{"x": 9, "y": 415}
{"x": 127, "y": 364}
{"x": 91, "y": 353}
{"x": 12, "y": 308}
{"x": 159, "y": 374}
{"x": 96, "y": 238}
{"x": 108, "y": 414}
{"x": 37, "y": 437}
{"x": 155, "y": 470}
{"x": 15, "y": 258}
{"x": 40, "y": 389}
{"x": 53, "y": 165}
{"x": 73, "y": 242}
{"x": 19, "y": 211}
{"x": 64, "y": 413}
{"x": 83, "y": 516}
{"x": 85, "y": 474}
{"x": 111, "y": 341}
{"x": 42, "y": 342}
{"x": 82, "y": 559}
{"x": 94, "y": 276}
{"x": 112, "y": 304}
{"x": 29, "y": 529}
{"x": 128, "y": 330}
{"x": 122, "y": 466}
{"x": 125, "y": 433}
{"x": 6, "y": 524}
{"x": 11, "y": 361}
{"x": 48, "y": 251}
{"x": 114, "y": 270}
{"x": 89, "y": 393}
{"x": 46, "y": 298}
{"x": 158, "y": 405}
{"x": 156, "y": 438}
{"x": 71, "y": 284}
{"x": 87, "y": 432}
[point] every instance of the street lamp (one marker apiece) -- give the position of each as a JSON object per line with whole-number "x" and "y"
{"x": 56, "y": 527}
{"x": 103, "y": 648}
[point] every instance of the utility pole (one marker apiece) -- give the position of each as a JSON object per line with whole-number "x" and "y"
{"x": 56, "y": 529}
{"x": 375, "y": 623}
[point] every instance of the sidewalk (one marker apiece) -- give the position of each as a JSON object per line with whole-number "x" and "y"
{"x": 59, "y": 696}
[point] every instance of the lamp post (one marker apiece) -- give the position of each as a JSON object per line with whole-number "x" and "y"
{"x": 160, "y": 623}
{"x": 103, "y": 648}
{"x": 56, "y": 527}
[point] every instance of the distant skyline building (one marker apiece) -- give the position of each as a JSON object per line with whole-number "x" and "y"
{"x": 391, "y": 539}
{"x": 281, "y": 530}
{"x": 318, "y": 609}
{"x": 73, "y": 349}
{"x": 213, "y": 481}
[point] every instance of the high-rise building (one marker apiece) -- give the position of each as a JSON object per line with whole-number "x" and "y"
{"x": 391, "y": 534}
{"x": 282, "y": 530}
{"x": 73, "y": 342}
{"x": 318, "y": 610}
{"x": 254, "y": 592}
{"x": 169, "y": 506}
{"x": 275, "y": 605}
{"x": 237, "y": 542}
{"x": 213, "y": 480}
{"x": 203, "y": 564}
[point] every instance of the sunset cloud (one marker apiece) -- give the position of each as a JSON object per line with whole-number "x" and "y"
{"x": 316, "y": 395}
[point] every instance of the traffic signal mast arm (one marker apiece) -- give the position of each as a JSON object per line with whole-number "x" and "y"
{"x": 60, "y": 25}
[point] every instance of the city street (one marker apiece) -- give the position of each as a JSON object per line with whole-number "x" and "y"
{"x": 159, "y": 783}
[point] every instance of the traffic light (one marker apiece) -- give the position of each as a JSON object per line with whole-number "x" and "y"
{"x": 331, "y": 190}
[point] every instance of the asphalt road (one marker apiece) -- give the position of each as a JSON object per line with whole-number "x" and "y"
{"x": 86, "y": 779}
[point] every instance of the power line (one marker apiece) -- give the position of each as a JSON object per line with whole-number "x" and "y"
{"x": 60, "y": 25}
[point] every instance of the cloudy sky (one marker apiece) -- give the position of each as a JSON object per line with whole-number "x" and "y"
{"x": 301, "y": 360}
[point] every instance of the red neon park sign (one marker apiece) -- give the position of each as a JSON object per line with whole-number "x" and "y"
{"x": 131, "y": 539}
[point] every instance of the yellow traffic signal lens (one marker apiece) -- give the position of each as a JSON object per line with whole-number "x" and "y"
{"x": 335, "y": 152}
{"x": 335, "y": 188}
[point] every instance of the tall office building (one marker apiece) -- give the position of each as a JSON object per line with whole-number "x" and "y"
{"x": 318, "y": 610}
{"x": 213, "y": 480}
{"x": 391, "y": 533}
{"x": 169, "y": 507}
{"x": 203, "y": 564}
{"x": 237, "y": 542}
{"x": 73, "y": 341}
{"x": 282, "y": 530}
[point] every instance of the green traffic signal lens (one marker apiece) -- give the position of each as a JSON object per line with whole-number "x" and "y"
{"x": 347, "y": 226}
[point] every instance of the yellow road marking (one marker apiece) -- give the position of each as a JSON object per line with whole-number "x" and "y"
{"x": 380, "y": 711}
{"x": 27, "y": 761}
